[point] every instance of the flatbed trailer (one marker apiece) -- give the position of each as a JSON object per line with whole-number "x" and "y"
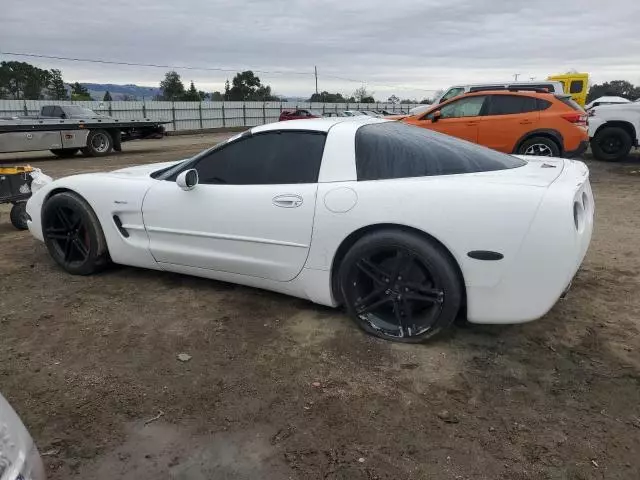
{"x": 66, "y": 130}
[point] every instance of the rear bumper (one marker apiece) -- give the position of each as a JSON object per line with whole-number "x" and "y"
{"x": 584, "y": 144}
{"x": 548, "y": 258}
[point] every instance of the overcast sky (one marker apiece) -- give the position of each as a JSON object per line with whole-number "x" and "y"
{"x": 406, "y": 47}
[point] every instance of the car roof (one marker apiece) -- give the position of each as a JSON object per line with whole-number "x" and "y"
{"x": 323, "y": 124}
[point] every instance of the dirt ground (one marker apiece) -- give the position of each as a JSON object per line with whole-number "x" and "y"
{"x": 279, "y": 388}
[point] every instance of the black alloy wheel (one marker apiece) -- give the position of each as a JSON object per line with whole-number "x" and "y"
{"x": 73, "y": 234}
{"x": 69, "y": 235}
{"x": 403, "y": 290}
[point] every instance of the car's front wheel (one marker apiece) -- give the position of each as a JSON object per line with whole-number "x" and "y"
{"x": 73, "y": 235}
{"x": 399, "y": 286}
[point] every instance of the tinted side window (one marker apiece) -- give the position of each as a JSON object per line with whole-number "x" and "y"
{"x": 47, "y": 111}
{"x": 265, "y": 159}
{"x": 576, "y": 86}
{"x": 543, "y": 104}
{"x": 396, "y": 150}
{"x": 511, "y": 104}
{"x": 57, "y": 112}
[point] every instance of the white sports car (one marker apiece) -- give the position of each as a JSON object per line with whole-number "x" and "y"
{"x": 404, "y": 226}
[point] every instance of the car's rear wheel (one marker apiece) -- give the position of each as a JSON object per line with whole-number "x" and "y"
{"x": 611, "y": 144}
{"x": 73, "y": 235}
{"x": 540, "y": 147}
{"x": 99, "y": 143}
{"x": 399, "y": 286}
{"x": 64, "y": 152}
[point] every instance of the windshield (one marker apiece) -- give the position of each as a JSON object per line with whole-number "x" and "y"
{"x": 80, "y": 111}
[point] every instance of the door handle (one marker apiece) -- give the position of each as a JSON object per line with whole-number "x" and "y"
{"x": 472, "y": 124}
{"x": 526, "y": 122}
{"x": 287, "y": 201}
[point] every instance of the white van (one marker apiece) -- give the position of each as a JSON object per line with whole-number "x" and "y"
{"x": 550, "y": 85}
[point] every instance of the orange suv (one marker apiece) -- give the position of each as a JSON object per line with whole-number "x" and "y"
{"x": 519, "y": 121}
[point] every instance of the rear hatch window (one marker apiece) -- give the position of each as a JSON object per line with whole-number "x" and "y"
{"x": 397, "y": 150}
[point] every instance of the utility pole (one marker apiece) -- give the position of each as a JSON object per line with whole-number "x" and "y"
{"x": 515, "y": 77}
{"x": 316, "y": 71}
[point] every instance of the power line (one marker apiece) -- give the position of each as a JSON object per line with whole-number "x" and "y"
{"x": 210, "y": 69}
{"x": 133, "y": 64}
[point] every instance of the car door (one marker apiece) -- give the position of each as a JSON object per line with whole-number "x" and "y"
{"x": 458, "y": 118}
{"x": 509, "y": 118}
{"x": 251, "y": 212}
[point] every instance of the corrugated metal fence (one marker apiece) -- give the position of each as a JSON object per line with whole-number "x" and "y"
{"x": 196, "y": 115}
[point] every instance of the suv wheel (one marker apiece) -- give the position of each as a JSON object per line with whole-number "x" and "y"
{"x": 611, "y": 144}
{"x": 539, "y": 147}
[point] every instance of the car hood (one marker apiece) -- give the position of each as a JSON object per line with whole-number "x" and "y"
{"x": 143, "y": 170}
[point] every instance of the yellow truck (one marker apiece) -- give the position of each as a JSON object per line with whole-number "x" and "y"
{"x": 575, "y": 84}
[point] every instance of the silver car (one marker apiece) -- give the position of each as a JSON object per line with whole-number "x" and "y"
{"x": 19, "y": 457}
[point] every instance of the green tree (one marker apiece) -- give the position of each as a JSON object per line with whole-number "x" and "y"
{"x": 361, "y": 95}
{"x": 393, "y": 99}
{"x": 20, "y": 80}
{"x": 227, "y": 90}
{"x": 192, "y": 94}
{"x": 79, "y": 92}
{"x": 616, "y": 88}
{"x": 107, "y": 97}
{"x": 216, "y": 97}
{"x": 246, "y": 86}
{"x": 408, "y": 101}
{"x": 57, "y": 89}
{"x": 326, "y": 97}
{"x": 172, "y": 87}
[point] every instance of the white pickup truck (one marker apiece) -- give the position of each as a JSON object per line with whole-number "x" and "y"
{"x": 614, "y": 130}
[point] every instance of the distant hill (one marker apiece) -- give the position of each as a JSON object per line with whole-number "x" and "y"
{"x": 121, "y": 92}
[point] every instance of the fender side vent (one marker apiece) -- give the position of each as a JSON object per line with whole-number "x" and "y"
{"x": 119, "y": 226}
{"x": 485, "y": 255}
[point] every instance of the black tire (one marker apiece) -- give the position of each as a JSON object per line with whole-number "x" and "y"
{"x": 399, "y": 286}
{"x": 99, "y": 144}
{"x": 545, "y": 147}
{"x": 65, "y": 152}
{"x": 73, "y": 234}
{"x": 611, "y": 144}
{"x": 19, "y": 216}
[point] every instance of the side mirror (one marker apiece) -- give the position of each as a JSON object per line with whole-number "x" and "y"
{"x": 187, "y": 180}
{"x": 436, "y": 116}
{"x": 63, "y": 115}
